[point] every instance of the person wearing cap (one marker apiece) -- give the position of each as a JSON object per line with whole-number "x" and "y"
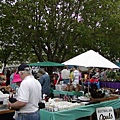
{"x": 29, "y": 95}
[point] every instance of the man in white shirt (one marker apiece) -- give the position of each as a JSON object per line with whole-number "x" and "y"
{"x": 29, "y": 95}
{"x": 65, "y": 74}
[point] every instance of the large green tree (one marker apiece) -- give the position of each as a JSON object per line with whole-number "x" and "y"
{"x": 102, "y": 20}
{"x": 57, "y": 30}
{"x": 11, "y": 50}
{"x": 47, "y": 27}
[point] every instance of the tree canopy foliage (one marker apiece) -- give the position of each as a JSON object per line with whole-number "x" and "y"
{"x": 56, "y": 30}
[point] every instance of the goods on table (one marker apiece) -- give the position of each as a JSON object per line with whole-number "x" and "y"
{"x": 3, "y": 96}
{"x": 110, "y": 97}
{"x": 83, "y": 98}
{"x": 57, "y": 104}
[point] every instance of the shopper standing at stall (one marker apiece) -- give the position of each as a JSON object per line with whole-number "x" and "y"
{"x": 45, "y": 82}
{"x": 13, "y": 84}
{"x": 65, "y": 74}
{"x": 12, "y": 99}
{"x": 8, "y": 77}
{"x": 29, "y": 95}
{"x": 77, "y": 75}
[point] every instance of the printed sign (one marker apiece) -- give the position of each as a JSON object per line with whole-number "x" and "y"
{"x": 105, "y": 113}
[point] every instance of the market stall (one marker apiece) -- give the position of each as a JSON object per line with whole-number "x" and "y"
{"x": 91, "y": 59}
{"x": 46, "y": 63}
{"x": 77, "y": 112}
{"x": 69, "y": 110}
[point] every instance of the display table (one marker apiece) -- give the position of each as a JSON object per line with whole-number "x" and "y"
{"x": 77, "y": 112}
{"x": 111, "y": 97}
{"x": 6, "y": 111}
{"x": 60, "y": 92}
{"x": 6, "y": 114}
{"x": 70, "y": 114}
{"x": 108, "y": 84}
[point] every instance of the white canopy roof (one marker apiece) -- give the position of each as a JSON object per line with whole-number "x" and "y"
{"x": 90, "y": 59}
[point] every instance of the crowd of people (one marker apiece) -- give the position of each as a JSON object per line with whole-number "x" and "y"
{"x": 32, "y": 87}
{"x": 75, "y": 76}
{"x": 66, "y": 75}
{"x": 28, "y": 91}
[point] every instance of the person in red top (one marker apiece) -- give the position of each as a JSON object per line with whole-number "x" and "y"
{"x": 94, "y": 80}
{"x": 54, "y": 80}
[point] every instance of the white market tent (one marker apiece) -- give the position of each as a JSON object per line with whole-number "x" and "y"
{"x": 90, "y": 59}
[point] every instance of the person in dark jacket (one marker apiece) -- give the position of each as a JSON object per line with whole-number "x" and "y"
{"x": 45, "y": 82}
{"x": 8, "y": 78}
